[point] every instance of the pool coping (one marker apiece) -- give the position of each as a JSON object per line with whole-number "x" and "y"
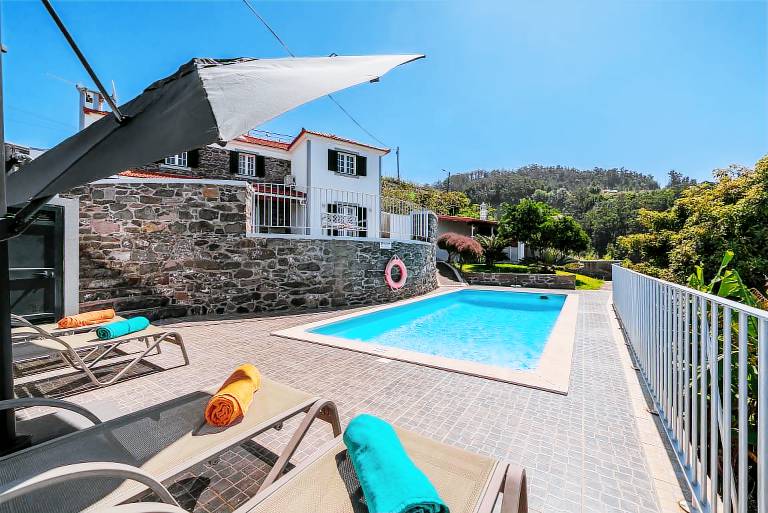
{"x": 552, "y": 374}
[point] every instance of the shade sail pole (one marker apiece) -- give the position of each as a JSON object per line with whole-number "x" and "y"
{"x": 7, "y": 417}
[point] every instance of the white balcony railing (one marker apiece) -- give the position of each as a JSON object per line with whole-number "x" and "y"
{"x": 704, "y": 360}
{"x": 322, "y": 212}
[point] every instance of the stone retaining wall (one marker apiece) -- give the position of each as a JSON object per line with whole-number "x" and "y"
{"x": 538, "y": 281}
{"x": 600, "y": 269}
{"x": 187, "y": 243}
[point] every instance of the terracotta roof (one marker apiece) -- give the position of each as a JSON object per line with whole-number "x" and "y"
{"x": 264, "y": 142}
{"x": 288, "y": 146}
{"x": 270, "y": 189}
{"x": 139, "y": 173}
{"x": 337, "y": 138}
{"x": 94, "y": 111}
{"x": 463, "y": 219}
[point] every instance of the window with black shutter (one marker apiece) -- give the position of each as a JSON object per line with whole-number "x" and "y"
{"x": 362, "y": 165}
{"x": 362, "y": 222}
{"x": 193, "y": 158}
{"x": 332, "y": 209}
{"x": 333, "y": 160}
{"x": 261, "y": 171}
{"x": 234, "y": 162}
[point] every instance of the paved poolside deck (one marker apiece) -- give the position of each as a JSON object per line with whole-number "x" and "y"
{"x": 589, "y": 451}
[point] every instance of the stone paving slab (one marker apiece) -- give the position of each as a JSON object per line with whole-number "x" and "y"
{"x": 583, "y": 451}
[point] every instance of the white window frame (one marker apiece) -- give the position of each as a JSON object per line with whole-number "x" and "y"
{"x": 246, "y": 164}
{"x": 178, "y": 160}
{"x": 346, "y": 163}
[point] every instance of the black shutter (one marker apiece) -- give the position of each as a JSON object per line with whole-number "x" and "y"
{"x": 332, "y": 209}
{"x": 193, "y": 158}
{"x": 333, "y": 160}
{"x": 362, "y": 221}
{"x": 234, "y": 162}
{"x": 260, "y": 169}
{"x": 361, "y": 166}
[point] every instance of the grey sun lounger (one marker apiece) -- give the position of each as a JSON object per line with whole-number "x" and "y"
{"x": 24, "y": 330}
{"x": 84, "y": 351}
{"x": 157, "y": 443}
{"x": 325, "y": 482}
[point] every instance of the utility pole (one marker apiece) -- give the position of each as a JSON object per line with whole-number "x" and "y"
{"x": 397, "y": 154}
{"x": 447, "y": 182}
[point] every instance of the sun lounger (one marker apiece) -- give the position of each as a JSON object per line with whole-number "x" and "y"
{"x": 24, "y": 330}
{"x": 467, "y": 482}
{"x": 158, "y": 443}
{"x": 83, "y": 351}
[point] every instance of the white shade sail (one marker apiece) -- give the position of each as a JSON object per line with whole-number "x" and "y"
{"x": 206, "y": 101}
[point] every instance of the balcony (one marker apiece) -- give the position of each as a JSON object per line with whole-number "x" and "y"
{"x": 319, "y": 212}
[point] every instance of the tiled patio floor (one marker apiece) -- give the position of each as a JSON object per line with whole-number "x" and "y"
{"x": 582, "y": 451}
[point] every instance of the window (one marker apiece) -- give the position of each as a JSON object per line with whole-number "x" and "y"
{"x": 247, "y": 164}
{"x": 346, "y": 163}
{"x": 179, "y": 160}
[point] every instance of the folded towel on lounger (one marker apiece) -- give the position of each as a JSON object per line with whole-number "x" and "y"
{"x": 234, "y": 397}
{"x": 390, "y": 481}
{"x": 86, "y": 319}
{"x": 120, "y": 328}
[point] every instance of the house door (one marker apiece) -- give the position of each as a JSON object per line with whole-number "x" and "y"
{"x": 36, "y": 268}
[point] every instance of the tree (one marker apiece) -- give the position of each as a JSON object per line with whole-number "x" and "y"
{"x": 522, "y": 222}
{"x": 465, "y": 247}
{"x": 493, "y": 247}
{"x": 704, "y": 223}
{"x": 540, "y": 227}
{"x": 564, "y": 234}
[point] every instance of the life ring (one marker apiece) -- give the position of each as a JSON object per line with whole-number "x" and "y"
{"x": 395, "y": 262}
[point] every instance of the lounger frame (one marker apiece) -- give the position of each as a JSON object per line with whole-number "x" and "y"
{"x": 71, "y": 355}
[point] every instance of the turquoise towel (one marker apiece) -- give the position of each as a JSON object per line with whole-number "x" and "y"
{"x": 120, "y": 328}
{"x": 390, "y": 481}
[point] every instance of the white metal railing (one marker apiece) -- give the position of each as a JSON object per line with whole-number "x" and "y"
{"x": 705, "y": 362}
{"x": 318, "y": 211}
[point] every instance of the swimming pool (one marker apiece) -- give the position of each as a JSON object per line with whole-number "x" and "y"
{"x": 484, "y": 326}
{"x": 515, "y": 336}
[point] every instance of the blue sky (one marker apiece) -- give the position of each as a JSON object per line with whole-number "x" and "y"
{"x": 649, "y": 86}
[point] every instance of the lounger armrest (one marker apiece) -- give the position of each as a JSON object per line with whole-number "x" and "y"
{"x": 90, "y": 470}
{"x": 28, "y": 402}
{"x": 515, "y": 499}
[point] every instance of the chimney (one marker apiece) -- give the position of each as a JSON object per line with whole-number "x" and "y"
{"x": 92, "y": 106}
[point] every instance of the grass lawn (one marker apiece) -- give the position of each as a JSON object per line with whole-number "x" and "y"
{"x": 584, "y": 282}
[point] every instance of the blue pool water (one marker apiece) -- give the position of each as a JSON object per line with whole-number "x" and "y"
{"x": 507, "y": 329}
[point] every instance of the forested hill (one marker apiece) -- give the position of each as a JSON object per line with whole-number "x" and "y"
{"x": 511, "y": 185}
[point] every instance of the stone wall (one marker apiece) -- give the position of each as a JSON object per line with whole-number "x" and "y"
{"x": 185, "y": 247}
{"x": 214, "y": 164}
{"x": 600, "y": 269}
{"x": 537, "y": 281}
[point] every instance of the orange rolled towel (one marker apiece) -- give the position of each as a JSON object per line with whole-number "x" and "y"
{"x": 234, "y": 397}
{"x": 86, "y": 319}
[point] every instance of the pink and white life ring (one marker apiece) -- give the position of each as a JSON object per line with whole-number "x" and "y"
{"x": 395, "y": 262}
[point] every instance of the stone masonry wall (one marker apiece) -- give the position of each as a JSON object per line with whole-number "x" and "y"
{"x": 187, "y": 243}
{"x": 214, "y": 164}
{"x": 537, "y": 281}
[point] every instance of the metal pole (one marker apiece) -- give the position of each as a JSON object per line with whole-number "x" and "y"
{"x": 397, "y": 154}
{"x": 116, "y": 111}
{"x": 7, "y": 417}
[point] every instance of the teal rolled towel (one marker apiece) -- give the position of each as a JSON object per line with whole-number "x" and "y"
{"x": 120, "y": 328}
{"x": 390, "y": 481}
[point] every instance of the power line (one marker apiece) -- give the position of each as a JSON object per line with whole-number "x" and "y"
{"x": 288, "y": 50}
